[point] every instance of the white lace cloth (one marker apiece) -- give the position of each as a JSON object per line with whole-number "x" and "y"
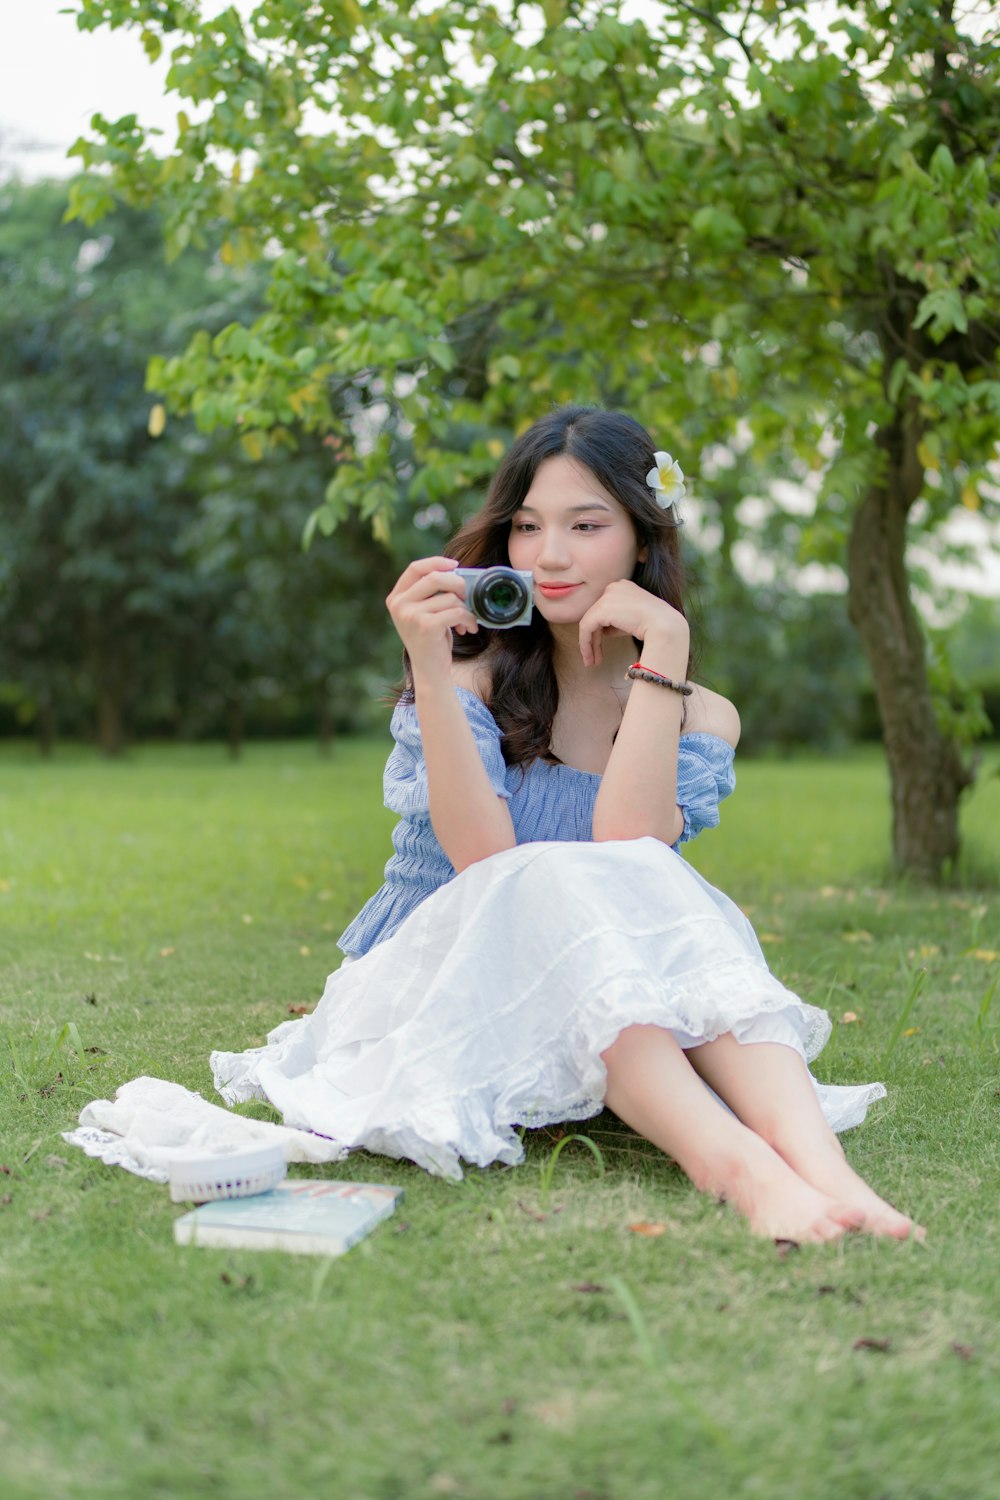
{"x": 150, "y": 1120}
{"x": 489, "y": 1008}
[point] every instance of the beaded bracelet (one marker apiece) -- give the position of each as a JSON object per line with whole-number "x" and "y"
{"x": 644, "y": 674}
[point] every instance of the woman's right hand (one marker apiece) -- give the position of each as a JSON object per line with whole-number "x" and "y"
{"x": 426, "y": 605}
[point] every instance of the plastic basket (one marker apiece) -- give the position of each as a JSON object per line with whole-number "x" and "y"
{"x": 197, "y": 1178}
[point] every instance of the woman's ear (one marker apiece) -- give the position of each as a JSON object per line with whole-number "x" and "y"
{"x": 643, "y": 554}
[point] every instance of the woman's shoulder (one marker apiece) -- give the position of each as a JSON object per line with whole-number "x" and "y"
{"x": 709, "y": 712}
{"x": 474, "y": 675}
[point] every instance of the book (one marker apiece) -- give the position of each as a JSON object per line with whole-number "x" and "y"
{"x": 306, "y": 1216}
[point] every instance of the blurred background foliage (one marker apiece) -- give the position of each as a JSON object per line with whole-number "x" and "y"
{"x": 157, "y": 586}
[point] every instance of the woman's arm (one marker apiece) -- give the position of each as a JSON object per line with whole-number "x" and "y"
{"x": 469, "y": 820}
{"x": 638, "y": 793}
{"x": 705, "y": 712}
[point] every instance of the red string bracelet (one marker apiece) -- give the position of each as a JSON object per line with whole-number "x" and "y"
{"x": 646, "y": 674}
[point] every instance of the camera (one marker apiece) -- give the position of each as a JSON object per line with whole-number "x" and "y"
{"x": 498, "y": 597}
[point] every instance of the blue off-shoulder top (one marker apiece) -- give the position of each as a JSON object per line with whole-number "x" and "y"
{"x": 546, "y": 801}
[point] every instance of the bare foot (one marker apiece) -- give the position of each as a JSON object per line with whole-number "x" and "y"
{"x": 825, "y": 1167}
{"x": 779, "y": 1204}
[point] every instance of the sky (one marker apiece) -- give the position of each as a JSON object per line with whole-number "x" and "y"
{"x": 53, "y": 78}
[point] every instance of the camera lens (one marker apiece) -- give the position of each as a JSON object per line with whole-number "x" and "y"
{"x": 498, "y": 597}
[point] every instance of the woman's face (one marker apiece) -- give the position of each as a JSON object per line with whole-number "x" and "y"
{"x": 574, "y": 537}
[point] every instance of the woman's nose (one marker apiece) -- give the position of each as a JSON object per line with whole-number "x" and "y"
{"x": 553, "y": 551}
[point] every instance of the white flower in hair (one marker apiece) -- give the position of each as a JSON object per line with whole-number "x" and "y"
{"x": 666, "y": 481}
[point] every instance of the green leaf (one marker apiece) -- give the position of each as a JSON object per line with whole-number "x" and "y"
{"x": 90, "y": 198}
{"x": 942, "y": 310}
{"x": 442, "y": 354}
{"x": 718, "y": 227}
{"x": 309, "y": 530}
{"x": 942, "y": 164}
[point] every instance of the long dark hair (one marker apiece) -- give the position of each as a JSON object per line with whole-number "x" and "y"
{"x": 524, "y": 693}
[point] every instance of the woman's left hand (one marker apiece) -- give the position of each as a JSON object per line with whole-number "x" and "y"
{"x": 626, "y": 609}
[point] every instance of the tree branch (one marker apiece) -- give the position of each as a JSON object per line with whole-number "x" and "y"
{"x": 716, "y": 25}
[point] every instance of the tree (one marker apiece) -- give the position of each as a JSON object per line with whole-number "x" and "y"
{"x": 721, "y": 217}
{"x": 90, "y": 504}
{"x": 152, "y": 581}
{"x": 275, "y": 618}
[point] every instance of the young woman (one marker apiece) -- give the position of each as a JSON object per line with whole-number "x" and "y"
{"x": 539, "y": 948}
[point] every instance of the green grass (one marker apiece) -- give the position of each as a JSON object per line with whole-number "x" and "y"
{"x": 507, "y": 1337}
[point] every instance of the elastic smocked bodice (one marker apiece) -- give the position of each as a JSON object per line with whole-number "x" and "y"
{"x": 546, "y": 801}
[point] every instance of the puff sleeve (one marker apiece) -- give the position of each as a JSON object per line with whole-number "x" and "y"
{"x": 404, "y": 782}
{"x": 705, "y": 775}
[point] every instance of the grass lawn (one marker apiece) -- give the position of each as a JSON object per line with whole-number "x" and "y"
{"x": 491, "y": 1341}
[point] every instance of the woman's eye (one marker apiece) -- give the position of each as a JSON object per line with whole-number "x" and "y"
{"x": 587, "y": 526}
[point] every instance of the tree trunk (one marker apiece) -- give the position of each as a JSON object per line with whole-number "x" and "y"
{"x": 234, "y": 727}
{"x": 925, "y": 768}
{"x": 45, "y": 728}
{"x": 325, "y": 721}
{"x": 111, "y": 698}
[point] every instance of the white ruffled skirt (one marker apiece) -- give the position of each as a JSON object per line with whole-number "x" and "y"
{"x": 490, "y": 1006}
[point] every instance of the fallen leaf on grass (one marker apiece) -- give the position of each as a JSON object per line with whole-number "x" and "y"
{"x": 985, "y": 955}
{"x": 770, "y": 937}
{"x": 7, "y": 1171}
{"x": 50, "y": 1088}
{"x": 241, "y": 1283}
{"x": 880, "y": 1346}
{"x": 299, "y": 1010}
{"x": 532, "y": 1212}
{"x": 911, "y": 1031}
{"x": 849, "y": 1017}
{"x": 785, "y": 1247}
{"x": 246, "y": 918}
{"x": 828, "y": 1291}
{"x": 6, "y": 1199}
{"x": 964, "y": 1351}
{"x": 588, "y": 1286}
{"x": 304, "y": 951}
{"x": 166, "y": 952}
{"x": 857, "y": 937}
{"x": 90, "y": 999}
{"x": 652, "y": 1230}
{"x": 38, "y": 1214}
